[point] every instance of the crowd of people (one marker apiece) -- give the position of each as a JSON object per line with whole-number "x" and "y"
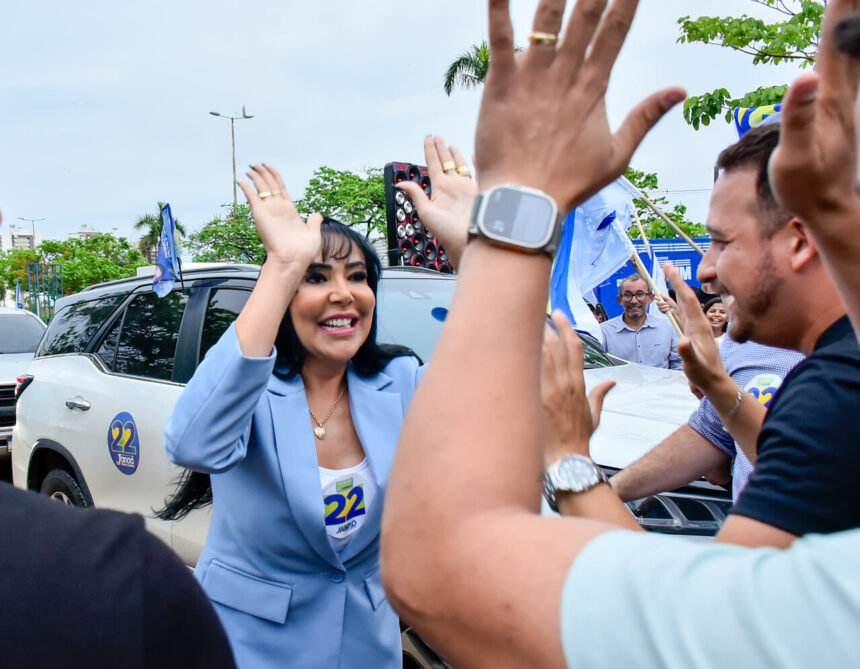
{"x": 337, "y": 513}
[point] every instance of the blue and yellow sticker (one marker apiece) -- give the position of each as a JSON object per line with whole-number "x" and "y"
{"x": 763, "y": 387}
{"x": 123, "y": 443}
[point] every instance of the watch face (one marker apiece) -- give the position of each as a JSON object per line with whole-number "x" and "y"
{"x": 577, "y": 474}
{"x": 522, "y": 218}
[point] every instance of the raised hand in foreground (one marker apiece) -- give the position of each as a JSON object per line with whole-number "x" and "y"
{"x": 543, "y": 114}
{"x": 446, "y": 211}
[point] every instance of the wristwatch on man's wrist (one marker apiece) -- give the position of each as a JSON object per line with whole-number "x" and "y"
{"x": 572, "y": 473}
{"x": 517, "y": 217}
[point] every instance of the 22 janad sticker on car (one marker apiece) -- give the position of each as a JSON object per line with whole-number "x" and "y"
{"x": 123, "y": 443}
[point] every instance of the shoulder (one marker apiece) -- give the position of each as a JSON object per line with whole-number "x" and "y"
{"x": 403, "y": 371}
{"x": 611, "y": 325}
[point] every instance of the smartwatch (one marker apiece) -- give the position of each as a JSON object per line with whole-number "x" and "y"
{"x": 517, "y": 217}
{"x": 572, "y": 473}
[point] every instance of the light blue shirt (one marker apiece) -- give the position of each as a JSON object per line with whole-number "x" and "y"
{"x": 655, "y": 344}
{"x": 633, "y": 599}
{"x": 758, "y": 369}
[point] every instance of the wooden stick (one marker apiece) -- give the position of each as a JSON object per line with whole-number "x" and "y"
{"x": 670, "y": 222}
{"x": 642, "y": 234}
{"x": 637, "y": 263}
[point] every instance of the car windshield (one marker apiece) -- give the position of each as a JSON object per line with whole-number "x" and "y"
{"x": 413, "y": 308}
{"x": 19, "y": 333}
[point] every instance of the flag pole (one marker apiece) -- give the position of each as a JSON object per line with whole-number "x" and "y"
{"x": 670, "y": 223}
{"x": 643, "y": 272}
{"x": 642, "y": 234}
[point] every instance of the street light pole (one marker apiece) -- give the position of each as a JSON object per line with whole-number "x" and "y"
{"x": 33, "y": 222}
{"x": 233, "y": 140}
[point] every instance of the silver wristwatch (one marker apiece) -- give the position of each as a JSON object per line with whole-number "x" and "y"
{"x": 572, "y": 473}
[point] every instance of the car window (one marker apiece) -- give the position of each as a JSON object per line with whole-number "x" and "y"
{"x": 147, "y": 339}
{"x": 411, "y": 311}
{"x": 223, "y": 308}
{"x": 107, "y": 349}
{"x": 71, "y": 329}
{"x": 19, "y": 333}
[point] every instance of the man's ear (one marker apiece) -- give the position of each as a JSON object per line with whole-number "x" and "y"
{"x": 618, "y": 298}
{"x": 801, "y": 246}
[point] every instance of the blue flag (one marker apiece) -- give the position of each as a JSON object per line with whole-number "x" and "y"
{"x": 655, "y": 269}
{"x": 19, "y": 299}
{"x": 167, "y": 265}
{"x": 593, "y": 246}
{"x": 747, "y": 118}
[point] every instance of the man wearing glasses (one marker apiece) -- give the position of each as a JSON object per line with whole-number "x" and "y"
{"x": 636, "y": 336}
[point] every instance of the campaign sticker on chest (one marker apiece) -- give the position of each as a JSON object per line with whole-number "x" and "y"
{"x": 763, "y": 387}
{"x": 345, "y": 505}
{"x": 123, "y": 443}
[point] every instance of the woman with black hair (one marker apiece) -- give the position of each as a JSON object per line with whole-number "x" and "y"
{"x": 295, "y": 414}
{"x": 717, "y": 315}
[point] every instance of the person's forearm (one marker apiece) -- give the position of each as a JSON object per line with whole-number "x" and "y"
{"x": 599, "y": 503}
{"x": 257, "y": 325}
{"x": 743, "y": 421}
{"x": 501, "y": 402}
{"x": 682, "y": 457}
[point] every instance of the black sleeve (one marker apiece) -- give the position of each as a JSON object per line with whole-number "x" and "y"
{"x": 181, "y": 629}
{"x": 805, "y": 479}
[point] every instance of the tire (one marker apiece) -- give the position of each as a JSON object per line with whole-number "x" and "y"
{"x": 62, "y": 486}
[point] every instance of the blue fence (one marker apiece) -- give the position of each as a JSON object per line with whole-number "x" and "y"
{"x": 682, "y": 255}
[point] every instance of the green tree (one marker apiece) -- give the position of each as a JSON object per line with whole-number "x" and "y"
{"x": 150, "y": 225}
{"x": 88, "y": 261}
{"x": 13, "y": 266}
{"x": 791, "y": 37}
{"x": 655, "y": 227}
{"x": 355, "y": 199}
{"x": 229, "y": 238}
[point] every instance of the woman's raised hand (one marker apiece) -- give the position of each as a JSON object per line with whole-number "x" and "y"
{"x": 285, "y": 235}
{"x": 446, "y": 212}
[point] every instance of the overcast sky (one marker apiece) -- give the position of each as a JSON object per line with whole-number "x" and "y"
{"x": 105, "y": 105}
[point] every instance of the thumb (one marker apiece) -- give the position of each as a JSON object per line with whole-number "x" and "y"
{"x": 595, "y": 400}
{"x": 643, "y": 117}
{"x": 416, "y": 194}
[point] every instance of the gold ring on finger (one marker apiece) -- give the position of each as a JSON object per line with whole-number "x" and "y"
{"x": 264, "y": 194}
{"x": 449, "y": 165}
{"x": 464, "y": 171}
{"x": 542, "y": 38}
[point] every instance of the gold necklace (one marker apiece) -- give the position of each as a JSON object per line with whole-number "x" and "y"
{"x": 319, "y": 429}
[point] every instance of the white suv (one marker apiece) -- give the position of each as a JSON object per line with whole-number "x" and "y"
{"x": 115, "y": 358}
{"x": 20, "y": 332}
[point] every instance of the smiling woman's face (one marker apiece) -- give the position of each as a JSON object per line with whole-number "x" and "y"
{"x": 717, "y": 317}
{"x": 332, "y": 311}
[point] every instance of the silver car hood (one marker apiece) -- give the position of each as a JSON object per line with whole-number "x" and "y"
{"x": 645, "y": 406}
{"x": 12, "y": 365}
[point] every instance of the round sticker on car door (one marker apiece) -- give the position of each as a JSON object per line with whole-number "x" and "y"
{"x": 123, "y": 443}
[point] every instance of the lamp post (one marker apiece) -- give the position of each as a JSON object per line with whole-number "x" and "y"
{"x": 233, "y": 138}
{"x": 33, "y": 223}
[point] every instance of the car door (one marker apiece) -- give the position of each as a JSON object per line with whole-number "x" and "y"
{"x": 123, "y": 392}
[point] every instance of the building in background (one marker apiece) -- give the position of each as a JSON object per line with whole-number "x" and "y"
{"x": 84, "y": 232}
{"x": 14, "y": 237}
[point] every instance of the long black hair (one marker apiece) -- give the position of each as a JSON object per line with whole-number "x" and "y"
{"x": 194, "y": 489}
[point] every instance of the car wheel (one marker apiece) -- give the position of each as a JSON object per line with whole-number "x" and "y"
{"x": 62, "y": 486}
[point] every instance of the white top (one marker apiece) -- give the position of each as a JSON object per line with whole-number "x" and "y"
{"x": 347, "y": 495}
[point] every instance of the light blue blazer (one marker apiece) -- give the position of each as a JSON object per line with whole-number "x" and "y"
{"x": 284, "y": 596}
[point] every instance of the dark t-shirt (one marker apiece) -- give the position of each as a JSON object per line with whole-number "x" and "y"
{"x": 806, "y": 476}
{"x": 91, "y": 588}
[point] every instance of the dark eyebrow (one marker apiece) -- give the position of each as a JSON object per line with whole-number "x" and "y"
{"x": 357, "y": 263}
{"x": 316, "y": 266}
